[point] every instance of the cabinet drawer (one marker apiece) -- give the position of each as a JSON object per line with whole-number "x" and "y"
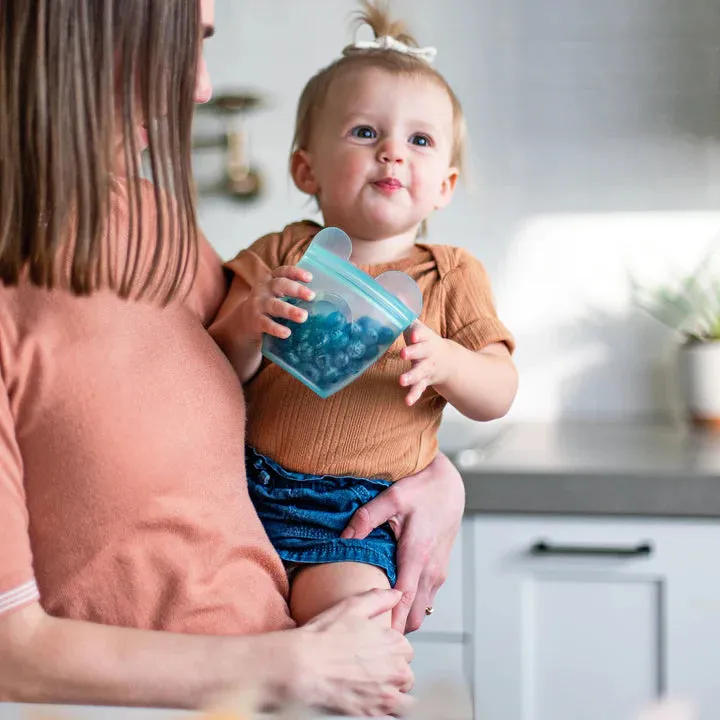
{"x": 593, "y": 617}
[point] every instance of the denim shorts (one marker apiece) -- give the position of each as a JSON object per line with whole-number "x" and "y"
{"x": 304, "y": 515}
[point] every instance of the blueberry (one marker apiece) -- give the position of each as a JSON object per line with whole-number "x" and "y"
{"x": 341, "y": 360}
{"x": 339, "y": 339}
{"x": 370, "y": 336}
{"x": 310, "y": 372}
{"x": 335, "y": 320}
{"x": 304, "y": 350}
{"x": 330, "y": 376}
{"x": 366, "y": 323}
{"x": 355, "y": 368}
{"x": 371, "y": 351}
{"x": 291, "y": 358}
{"x": 356, "y": 349}
{"x": 356, "y": 331}
{"x": 385, "y": 336}
{"x": 323, "y": 361}
{"x": 303, "y": 334}
{"x": 319, "y": 340}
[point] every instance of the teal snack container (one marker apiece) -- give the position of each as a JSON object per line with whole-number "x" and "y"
{"x": 352, "y": 321}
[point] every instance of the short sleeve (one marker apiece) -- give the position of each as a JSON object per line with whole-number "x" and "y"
{"x": 470, "y": 316}
{"x": 255, "y": 262}
{"x": 17, "y": 582}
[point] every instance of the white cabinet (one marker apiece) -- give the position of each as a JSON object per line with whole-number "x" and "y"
{"x": 443, "y": 653}
{"x": 592, "y": 618}
{"x": 439, "y": 662}
{"x": 450, "y": 600}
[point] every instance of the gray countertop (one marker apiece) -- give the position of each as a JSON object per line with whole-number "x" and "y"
{"x": 589, "y": 468}
{"x": 17, "y": 711}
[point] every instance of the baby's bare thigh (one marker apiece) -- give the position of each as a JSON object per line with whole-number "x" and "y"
{"x": 318, "y": 587}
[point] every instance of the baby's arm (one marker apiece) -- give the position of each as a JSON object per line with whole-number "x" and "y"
{"x": 243, "y": 354}
{"x": 248, "y": 313}
{"x": 468, "y": 361}
{"x": 260, "y": 276}
{"x": 480, "y": 384}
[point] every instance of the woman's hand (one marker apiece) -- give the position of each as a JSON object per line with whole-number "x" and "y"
{"x": 425, "y": 511}
{"x": 344, "y": 662}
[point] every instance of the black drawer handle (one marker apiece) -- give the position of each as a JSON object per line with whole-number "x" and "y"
{"x": 545, "y": 548}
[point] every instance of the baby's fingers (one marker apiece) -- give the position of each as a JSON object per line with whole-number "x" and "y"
{"x": 419, "y": 351}
{"x": 416, "y": 392}
{"x": 284, "y": 287}
{"x": 292, "y": 272}
{"x": 279, "y": 309}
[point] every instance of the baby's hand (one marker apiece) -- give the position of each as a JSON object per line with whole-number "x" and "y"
{"x": 264, "y": 303}
{"x": 430, "y": 357}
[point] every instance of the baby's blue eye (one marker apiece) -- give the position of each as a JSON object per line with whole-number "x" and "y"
{"x": 364, "y": 132}
{"x": 421, "y": 140}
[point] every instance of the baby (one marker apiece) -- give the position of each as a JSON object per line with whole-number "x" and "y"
{"x": 379, "y": 143}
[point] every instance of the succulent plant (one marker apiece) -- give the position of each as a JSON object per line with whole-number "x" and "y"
{"x": 690, "y": 305}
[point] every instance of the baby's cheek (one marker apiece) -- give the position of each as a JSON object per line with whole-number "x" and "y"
{"x": 354, "y": 170}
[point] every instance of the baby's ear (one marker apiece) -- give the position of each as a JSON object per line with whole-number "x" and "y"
{"x": 447, "y": 189}
{"x": 302, "y": 172}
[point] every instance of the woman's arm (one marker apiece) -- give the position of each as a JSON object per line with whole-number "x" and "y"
{"x": 335, "y": 661}
{"x": 425, "y": 512}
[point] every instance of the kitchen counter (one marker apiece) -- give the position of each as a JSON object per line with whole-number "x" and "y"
{"x": 588, "y": 468}
{"x": 17, "y": 711}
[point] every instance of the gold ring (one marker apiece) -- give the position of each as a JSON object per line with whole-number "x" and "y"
{"x": 429, "y": 610}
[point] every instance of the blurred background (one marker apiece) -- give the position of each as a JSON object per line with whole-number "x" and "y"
{"x": 594, "y": 154}
{"x": 583, "y": 583}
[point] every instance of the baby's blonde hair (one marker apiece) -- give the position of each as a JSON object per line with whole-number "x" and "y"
{"x": 376, "y": 15}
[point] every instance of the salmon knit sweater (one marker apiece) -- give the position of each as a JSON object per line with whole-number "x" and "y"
{"x": 122, "y": 483}
{"x": 365, "y": 429}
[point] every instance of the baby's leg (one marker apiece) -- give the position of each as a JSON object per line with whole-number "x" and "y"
{"x": 319, "y": 587}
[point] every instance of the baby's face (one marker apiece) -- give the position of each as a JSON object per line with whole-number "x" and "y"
{"x": 380, "y": 153}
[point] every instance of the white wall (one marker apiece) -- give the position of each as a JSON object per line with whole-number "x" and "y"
{"x": 595, "y": 131}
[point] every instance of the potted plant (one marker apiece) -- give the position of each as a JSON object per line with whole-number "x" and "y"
{"x": 691, "y": 307}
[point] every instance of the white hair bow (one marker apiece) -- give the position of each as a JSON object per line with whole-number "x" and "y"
{"x": 390, "y": 43}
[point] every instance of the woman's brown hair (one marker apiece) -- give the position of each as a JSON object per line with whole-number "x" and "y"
{"x": 73, "y": 73}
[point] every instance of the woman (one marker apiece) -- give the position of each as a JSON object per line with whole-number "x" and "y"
{"x": 133, "y": 569}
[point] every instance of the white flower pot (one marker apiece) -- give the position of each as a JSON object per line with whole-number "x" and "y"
{"x": 699, "y": 366}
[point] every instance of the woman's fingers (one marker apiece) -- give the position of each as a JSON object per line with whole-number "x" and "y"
{"x": 360, "y": 607}
{"x": 353, "y": 665}
{"x": 428, "y": 585}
